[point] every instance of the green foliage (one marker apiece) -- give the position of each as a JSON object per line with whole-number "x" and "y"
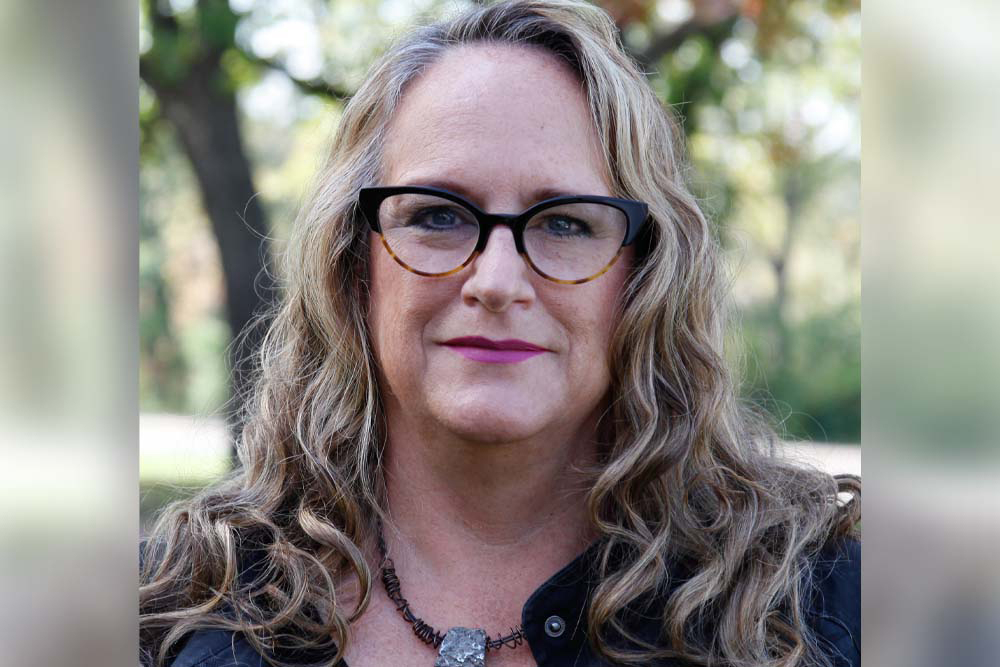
{"x": 239, "y": 72}
{"x": 807, "y": 376}
{"x": 216, "y": 24}
{"x": 198, "y": 36}
{"x": 162, "y": 374}
{"x": 182, "y": 335}
{"x": 783, "y": 195}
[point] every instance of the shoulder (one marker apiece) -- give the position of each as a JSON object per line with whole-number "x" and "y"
{"x": 834, "y": 603}
{"x": 217, "y": 648}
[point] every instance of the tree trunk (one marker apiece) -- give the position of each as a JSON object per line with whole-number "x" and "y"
{"x": 794, "y": 195}
{"x": 206, "y": 120}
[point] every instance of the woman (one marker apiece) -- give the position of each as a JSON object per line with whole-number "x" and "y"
{"x": 493, "y": 423}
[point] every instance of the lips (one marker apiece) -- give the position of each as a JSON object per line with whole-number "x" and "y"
{"x": 488, "y": 351}
{"x": 486, "y": 343}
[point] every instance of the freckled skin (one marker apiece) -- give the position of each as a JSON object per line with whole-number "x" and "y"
{"x": 500, "y": 123}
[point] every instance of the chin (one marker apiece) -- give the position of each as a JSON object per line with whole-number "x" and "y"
{"x": 493, "y": 421}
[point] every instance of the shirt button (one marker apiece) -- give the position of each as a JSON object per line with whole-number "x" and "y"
{"x": 554, "y": 626}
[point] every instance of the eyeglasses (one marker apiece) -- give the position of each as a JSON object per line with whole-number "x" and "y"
{"x": 569, "y": 240}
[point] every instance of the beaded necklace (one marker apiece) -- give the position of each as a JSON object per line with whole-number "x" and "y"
{"x": 458, "y": 647}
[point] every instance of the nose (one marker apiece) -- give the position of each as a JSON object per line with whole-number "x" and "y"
{"x": 500, "y": 277}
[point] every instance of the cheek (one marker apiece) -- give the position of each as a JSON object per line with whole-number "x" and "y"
{"x": 595, "y": 321}
{"x": 402, "y": 305}
{"x": 378, "y": 293}
{"x": 386, "y": 314}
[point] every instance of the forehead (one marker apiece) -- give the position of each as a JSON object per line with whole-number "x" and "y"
{"x": 496, "y": 120}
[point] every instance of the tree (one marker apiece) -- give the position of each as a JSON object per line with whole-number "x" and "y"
{"x": 185, "y": 67}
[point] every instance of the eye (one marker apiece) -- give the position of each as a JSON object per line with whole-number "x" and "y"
{"x": 562, "y": 225}
{"x": 438, "y": 218}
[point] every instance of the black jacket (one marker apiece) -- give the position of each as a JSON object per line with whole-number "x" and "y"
{"x": 834, "y": 611}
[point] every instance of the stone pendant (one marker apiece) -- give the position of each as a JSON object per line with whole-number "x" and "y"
{"x": 462, "y": 647}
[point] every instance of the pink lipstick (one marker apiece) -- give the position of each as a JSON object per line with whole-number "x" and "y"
{"x": 510, "y": 351}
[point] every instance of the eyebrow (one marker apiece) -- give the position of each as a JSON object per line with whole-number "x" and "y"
{"x": 537, "y": 195}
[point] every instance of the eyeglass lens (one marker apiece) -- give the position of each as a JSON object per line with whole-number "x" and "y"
{"x": 566, "y": 242}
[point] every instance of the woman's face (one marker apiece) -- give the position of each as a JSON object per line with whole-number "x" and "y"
{"x": 506, "y": 127}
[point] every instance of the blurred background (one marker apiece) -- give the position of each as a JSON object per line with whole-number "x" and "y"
{"x": 238, "y": 99}
{"x": 70, "y": 418}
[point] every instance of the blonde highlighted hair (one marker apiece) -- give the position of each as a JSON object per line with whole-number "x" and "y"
{"x": 686, "y": 475}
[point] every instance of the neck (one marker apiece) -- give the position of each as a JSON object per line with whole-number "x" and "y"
{"x": 485, "y": 505}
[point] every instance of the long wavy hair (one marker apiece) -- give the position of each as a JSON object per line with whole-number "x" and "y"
{"x": 687, "y": 474}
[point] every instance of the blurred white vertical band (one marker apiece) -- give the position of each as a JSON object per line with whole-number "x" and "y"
{"x": 931, "y": 313}
{"x": 68, "y": 152}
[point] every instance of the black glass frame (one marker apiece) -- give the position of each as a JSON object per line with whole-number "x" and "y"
{"x": 370, "y": 199}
